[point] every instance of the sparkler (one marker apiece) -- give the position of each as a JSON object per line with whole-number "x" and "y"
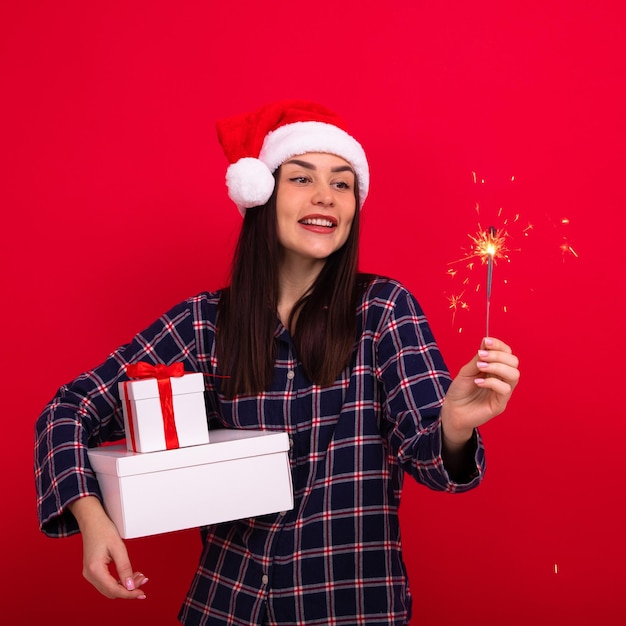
{"x": 488, "y": 246}
{"x": 490, "y": 252}
{"x": 509, "y": 230}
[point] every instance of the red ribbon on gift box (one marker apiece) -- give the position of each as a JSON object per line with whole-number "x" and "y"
{"x": 163, "y": 374}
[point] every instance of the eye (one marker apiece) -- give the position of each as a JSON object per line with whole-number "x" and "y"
{"x": 343, "y": 185}
{"x": 301, "y": 180}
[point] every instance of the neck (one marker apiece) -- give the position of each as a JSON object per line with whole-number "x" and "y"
{"x": 295, "y": 280}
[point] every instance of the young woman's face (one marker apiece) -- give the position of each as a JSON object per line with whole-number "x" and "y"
{"x": 315, "y": 205}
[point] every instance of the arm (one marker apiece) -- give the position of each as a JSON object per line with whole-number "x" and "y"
{"x": 84, "y": 414}
{"x": 434, "y": 421}
{"x": 415, "y": 381}
{"x": 87, "y": 412}
{"x": 102, "y": 545}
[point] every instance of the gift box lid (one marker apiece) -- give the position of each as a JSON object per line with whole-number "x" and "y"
{"x": 226, "y": 445}
{"x": 142, "y": 389}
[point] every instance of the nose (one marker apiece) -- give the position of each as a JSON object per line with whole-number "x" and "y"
{"x": 322, "y": 195}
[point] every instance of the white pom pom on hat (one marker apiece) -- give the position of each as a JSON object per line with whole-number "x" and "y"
{"x": 249, "y": 182}
{"x": 256, "y": 144}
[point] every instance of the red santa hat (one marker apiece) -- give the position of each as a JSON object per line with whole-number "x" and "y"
{"x": 256, "y": 144}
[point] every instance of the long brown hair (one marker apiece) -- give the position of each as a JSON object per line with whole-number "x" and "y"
{"x": 323, "y": 321}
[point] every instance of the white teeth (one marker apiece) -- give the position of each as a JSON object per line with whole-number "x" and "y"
{"x": 318, "y": 222}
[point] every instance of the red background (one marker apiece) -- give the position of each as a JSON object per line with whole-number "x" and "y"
{"x": 110, "y": 166}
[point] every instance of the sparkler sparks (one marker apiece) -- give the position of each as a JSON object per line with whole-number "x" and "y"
{"x": 566, "y": 249}
{"x": 493, "y": 201}
{"x": 488, "y": 246}
{"x": 566, "y": 246}
{"x": 456, "y": 303}
{"x": 485, "y": 247}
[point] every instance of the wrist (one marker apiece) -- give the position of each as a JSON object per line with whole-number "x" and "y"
{"x": 454, "y": 434}
{"x": 86, "y": 510}
{"x": 457, "y": 442}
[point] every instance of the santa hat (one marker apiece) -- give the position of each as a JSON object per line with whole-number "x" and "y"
{"x": 256, "y": 144}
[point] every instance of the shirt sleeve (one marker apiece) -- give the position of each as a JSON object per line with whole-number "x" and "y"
{"x": 415, "y": 379}
{"x": 87, "y": 412}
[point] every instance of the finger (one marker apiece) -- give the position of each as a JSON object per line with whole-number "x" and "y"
{"x": 492, "y": 343}
{"x": 491, "y": 356}
{"x": 498, "y": 352}
{"x": 100, "y": 577}
{"x": 500, "y": 371}
{"x": 500, "y": 387}
{"x": 123, "y": 566}
{"x": 129, "y": 580}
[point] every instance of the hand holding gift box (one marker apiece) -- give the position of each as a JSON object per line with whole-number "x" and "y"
{"x": 164, "y": 408}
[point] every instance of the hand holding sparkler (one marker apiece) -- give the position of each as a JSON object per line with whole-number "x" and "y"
{"x": 479, "y": 392}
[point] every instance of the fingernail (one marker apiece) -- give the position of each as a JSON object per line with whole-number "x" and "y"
{"x": 129, "y": 584}
{"x": 144, "y": 581}
{"x": 488, "y": 342}
{"x": 483, "y": 353}
{"x": 482, "y": 364}
{"x": 479, "y": 381}
{"x": 141, "y": 597}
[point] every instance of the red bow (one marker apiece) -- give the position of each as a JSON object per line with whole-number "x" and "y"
{"x": 146, "y": 370}
{"x": 162, "y": 373}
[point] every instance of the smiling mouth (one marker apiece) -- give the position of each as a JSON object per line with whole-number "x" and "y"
{"x": 317, "y": 221}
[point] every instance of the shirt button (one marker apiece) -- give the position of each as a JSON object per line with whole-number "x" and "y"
{"x": 291, "y": 442}
{"x": 291, "y": 374}
{"x": 265, "y": 579}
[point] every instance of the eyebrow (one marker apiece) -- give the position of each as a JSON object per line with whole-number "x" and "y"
{"x": 311, "y": 166}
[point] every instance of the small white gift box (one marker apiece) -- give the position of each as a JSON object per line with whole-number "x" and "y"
{"x": 240, "y": 474}
{"x": 164, "y": 412}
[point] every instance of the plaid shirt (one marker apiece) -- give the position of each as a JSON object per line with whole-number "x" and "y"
{"x": 336, "y": 557}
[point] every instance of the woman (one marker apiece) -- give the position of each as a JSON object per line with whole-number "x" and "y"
{"x": 298, "y": 342}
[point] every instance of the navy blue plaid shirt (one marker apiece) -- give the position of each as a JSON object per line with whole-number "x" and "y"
{"x": 336, "y": 557}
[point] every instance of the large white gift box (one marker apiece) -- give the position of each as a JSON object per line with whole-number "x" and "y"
{"x": 149, "y": 412}
{"x": 240, "y": 474}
